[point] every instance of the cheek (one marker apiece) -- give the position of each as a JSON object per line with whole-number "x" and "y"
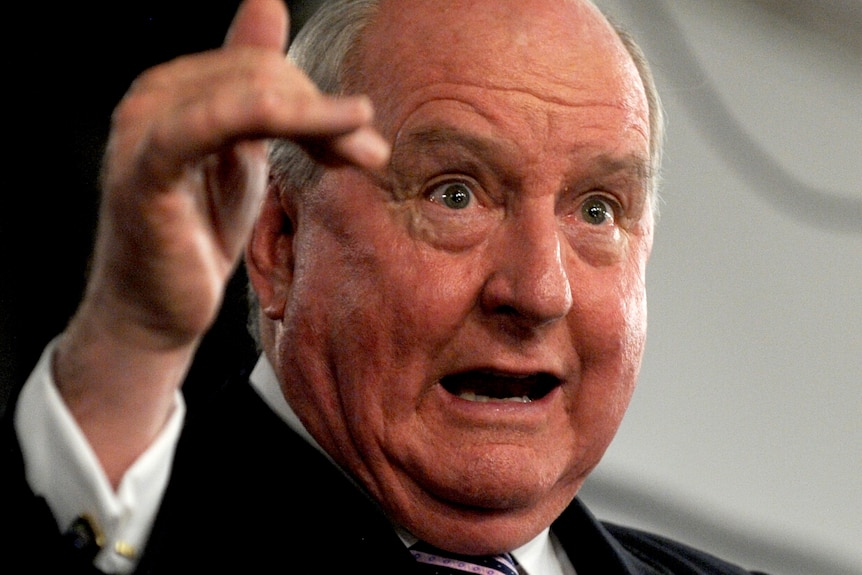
{"x": 607, "y": 269}
{"x": 608, "y": 317}
{"x": 609, "y": 322}
{"x": 389, "y": 309}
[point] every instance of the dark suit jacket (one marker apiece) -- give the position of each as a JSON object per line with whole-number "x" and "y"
{"x": 248, "y": 495}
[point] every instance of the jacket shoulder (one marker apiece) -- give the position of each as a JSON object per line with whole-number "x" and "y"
{"x": 667, "y": 556}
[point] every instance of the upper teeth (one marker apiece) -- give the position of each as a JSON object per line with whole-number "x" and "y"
{"x": 471, "y": 396}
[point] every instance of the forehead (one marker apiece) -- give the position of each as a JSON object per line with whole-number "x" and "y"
{"x": 562, "y": 53}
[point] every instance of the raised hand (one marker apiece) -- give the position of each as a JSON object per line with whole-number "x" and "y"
{"x": 184, "y": 173}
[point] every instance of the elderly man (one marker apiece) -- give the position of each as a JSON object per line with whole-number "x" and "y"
{"x": 449, "y": 297}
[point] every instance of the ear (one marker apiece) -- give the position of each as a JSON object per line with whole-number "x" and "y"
{"x": 269, "y": 253}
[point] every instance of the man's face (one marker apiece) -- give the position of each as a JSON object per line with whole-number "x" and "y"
{"x": 464, "y": 329}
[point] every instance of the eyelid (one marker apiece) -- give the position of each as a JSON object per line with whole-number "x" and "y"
{"x": 571, "y": 199}
{"x": 612, "y": 199}
{"x": 449, "y": 178}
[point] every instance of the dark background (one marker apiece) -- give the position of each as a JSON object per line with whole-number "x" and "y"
{"x": 68, "y": 66}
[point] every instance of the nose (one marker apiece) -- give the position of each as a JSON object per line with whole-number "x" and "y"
{"x": 529, "y": 282}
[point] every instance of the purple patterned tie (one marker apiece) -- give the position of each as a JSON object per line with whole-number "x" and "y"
{"x": 437, "y": 562}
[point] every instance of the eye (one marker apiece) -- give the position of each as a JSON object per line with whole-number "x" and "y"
{"x": 597, "y": 211}
{"x": 453, "y": 195}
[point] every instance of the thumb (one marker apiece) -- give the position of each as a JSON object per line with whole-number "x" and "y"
{"x": 262, "y": 23}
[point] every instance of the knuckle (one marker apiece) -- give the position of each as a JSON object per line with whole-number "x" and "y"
{"x": 264, "y": 95}
{"x": 131, "y": 110}
{"x": 263, "y": 105}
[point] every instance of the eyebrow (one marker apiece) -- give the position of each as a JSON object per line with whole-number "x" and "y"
{"x": 631, "y": 164}
{"x": 485, "y": 149}
{"x": 444, "y": 135}
{"x": 457, "y": 148}
{"x": 464, "y": 146}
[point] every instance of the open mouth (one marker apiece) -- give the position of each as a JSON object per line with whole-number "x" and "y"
{"x": 487, "y": 386}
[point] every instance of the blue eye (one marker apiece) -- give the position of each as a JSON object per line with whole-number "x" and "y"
{"x": 597, "y": 211}
{"x": 454, "y": 195}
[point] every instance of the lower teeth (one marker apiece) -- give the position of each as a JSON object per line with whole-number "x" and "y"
{"x": 470, "y": 396}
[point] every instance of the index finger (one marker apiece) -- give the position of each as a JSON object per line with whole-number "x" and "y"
{"x": 261, "y": 23}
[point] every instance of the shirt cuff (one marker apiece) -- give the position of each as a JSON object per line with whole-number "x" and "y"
{"x": 62, "y": 467}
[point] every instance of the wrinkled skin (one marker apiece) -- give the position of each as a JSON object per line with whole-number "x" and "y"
{"x": 502, "y": 252}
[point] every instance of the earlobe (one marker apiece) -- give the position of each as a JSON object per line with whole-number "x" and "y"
{"x": 269, "y": 253}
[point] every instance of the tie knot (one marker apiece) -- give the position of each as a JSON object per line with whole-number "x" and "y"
{"x": 437, "y": 561}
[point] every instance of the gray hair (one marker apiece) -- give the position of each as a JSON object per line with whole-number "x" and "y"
{"x": 323, "y": 48}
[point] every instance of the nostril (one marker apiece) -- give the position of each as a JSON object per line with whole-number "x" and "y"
{"x": 506, "y": 310}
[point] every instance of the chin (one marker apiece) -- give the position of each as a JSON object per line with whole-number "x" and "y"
{"x": 480, "y": 516}
{"x": 482, "y": 531}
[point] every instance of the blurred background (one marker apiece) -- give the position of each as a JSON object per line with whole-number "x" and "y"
{"x": 745, "y": 434}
